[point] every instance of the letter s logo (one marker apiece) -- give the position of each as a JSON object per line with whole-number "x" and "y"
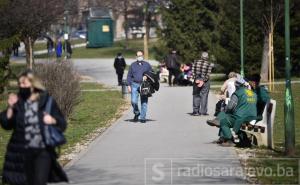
{"x": 160, "y": 174}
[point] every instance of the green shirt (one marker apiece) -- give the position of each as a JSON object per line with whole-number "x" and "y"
{"x": 246, "y": 107}
{"x": 262, "y": 99}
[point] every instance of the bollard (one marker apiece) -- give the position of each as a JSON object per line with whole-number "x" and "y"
{"x": 124, "y": 89}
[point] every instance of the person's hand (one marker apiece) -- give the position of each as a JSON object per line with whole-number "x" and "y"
{"x": 200, "y": 83}
{"x": 144, "y": 78}
{"x": 129, "y": 89}
{"x": 49, "y": 120}
{"x": 12, "y": 100}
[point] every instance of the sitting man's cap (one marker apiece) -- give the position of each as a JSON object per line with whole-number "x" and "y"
{"x": 204, "y": 56}
{"x": 239, "y": 80}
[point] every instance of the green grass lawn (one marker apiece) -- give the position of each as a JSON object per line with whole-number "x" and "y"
{"x": 95, "y": 110}
{"x": 111, "y": 52}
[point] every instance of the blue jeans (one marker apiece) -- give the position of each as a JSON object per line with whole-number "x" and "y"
{"x": 135, "y": 100}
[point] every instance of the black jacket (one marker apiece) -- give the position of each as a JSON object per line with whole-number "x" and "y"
{"x": 151, "y": 84}
{"x": 120, "y": 65}
{"x": 172, "y": 61}
{"x": 16, "y": 153}
{"x": 67, "y": 47}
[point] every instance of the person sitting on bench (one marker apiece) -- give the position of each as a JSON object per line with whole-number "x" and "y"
{"x": 241, "y": 108}
{"x": 227, "y": 89}
{"x": 262, "y": 94}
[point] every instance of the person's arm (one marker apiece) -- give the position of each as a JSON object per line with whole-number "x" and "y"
{"x": 58, "y": 116}
{"x": 224, "y": 87}
{"x": 194, "y": 69}
{"x": 150, "y": 67}
{"x": 115, "y": 63}
{"x": 7, "y": 119}
{"x": 123, "y": 63}
{"x": 265, "y": 97}
{"x": 232, "y": 104}
{"x": 129, "y": 76}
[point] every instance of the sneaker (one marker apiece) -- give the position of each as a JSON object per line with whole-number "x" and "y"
{"x": 213, "y": 123}
{"x": 143, "y": 121}
{"x": 227, "y": 143}
{"x": 195, "y": 114}
{"x": 136, "y": 118}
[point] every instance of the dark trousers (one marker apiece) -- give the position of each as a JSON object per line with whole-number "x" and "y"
{"x": 120, "y": 78}
{"x": 173, "y": 72}
{"x": 200, "y": 99}
{"x": 38, "y": 167}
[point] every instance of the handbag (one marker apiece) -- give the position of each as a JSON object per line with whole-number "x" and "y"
{"x": 53, "y": 136}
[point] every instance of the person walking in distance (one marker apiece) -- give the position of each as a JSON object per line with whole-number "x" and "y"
{"x": 120, "y": 66}
{"x": 201, "y": 72}
{"x": 58, "y": 49}
{"x": 173, "y": 67}
{"x": 68, "y": 49}
{"x": 135, "y": 78}
{"x": 29, "y": 160}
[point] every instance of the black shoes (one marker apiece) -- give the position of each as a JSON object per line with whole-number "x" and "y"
{"x": 136, "y": 118}
{"x": 219, "y": 141}
{"x": 227, "y": 143}
{"x": 195, "y": 114}
{"x": 213, "y": 123}
{"x": 199, "y": 114}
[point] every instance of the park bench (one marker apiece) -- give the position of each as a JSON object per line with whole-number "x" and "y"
{"x": 261, "y": 133}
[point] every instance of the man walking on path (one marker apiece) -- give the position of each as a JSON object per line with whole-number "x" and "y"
{"x": 68, "y": 49}
{"x": 134, "y": 79}
{"x": 173, "y": 67}
{"x": 201, "y": 72}
{"x": 120, "y": 66}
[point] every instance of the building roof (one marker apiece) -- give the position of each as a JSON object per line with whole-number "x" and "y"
{"x": 97, "y": 12}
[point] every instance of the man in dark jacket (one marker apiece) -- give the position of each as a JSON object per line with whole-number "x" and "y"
{"x": 135, "y": 78}
{"x": 173, "y": 67}
{"x": 120, "y": 66}
{"x": 68, "y": 49}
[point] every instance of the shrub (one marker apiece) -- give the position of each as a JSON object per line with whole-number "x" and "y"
{"x": 62, "y": 82}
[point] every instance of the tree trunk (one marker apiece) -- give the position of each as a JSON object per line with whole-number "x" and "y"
{"x": 126, "y": 27}
{"x": 29, "y": 52}
{"x": 4, "y": 70}
{"x": 264, "y": 71}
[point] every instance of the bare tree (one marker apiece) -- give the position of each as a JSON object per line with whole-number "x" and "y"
{"x": 30, "y": 18}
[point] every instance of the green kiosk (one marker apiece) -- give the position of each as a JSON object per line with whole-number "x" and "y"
{"x": 100, "y": 28}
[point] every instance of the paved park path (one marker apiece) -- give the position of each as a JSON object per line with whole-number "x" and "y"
{"x": 165, "y": 150}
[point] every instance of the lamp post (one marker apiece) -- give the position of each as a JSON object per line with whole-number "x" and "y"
{"x": 242, "y": 36}
{"x": 289, "y": 120}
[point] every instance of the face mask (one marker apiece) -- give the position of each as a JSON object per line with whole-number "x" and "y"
{"x": 140, "y": 58}
{"x": 25, "y": 93}
{"x": 119, "y": 57}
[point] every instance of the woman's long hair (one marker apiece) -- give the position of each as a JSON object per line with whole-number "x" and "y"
{"x": 34, "y": 80}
